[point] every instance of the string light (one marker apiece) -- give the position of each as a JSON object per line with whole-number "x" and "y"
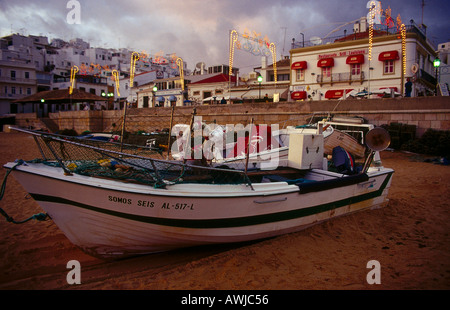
{"x": 134, "y": 58}
{"x": 233, "y": 39}
{"x": 371, "y": 22}
{"x": 274, "y": 60}
{"x": 180, "y": 67}
{"x": 403, "y": 31}
{"x": 73, "y": 72}
{"x": 115, "y": 74}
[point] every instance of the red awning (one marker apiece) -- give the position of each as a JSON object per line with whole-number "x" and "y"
{"x": 355, "y": 59}
{"x": 326, "y": 62}
{"x": 299, "y": 65}
{"x": 391, "y": 55}
{"x": 337, "y": 93}
{"x": 299, "y": 95}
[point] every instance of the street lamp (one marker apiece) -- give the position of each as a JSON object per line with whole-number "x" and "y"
{"x": 260, "y": 78}
{"x": 436, "y": 64}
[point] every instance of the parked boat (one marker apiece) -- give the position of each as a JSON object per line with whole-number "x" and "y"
{"x": 114, "y": 203}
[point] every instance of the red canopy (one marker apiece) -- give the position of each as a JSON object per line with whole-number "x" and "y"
{"x": 299, "y": 65}
{"x": 336, "y": 93}
{"x": 299, "y": 95}
{"x": 391, "y": 55}
{"x": 355, "y": 59}
{"x": 325, "y": 62}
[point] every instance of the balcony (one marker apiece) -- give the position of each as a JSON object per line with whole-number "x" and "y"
{"x": 6, "y": 79}
{"x": 428, "y": 78}
{"x": 345, "y": 77}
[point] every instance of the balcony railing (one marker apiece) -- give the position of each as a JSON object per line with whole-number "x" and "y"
{"x": 349, "y": 35}
{"x": 340, "y": 77}
{"x": 6, "y": 79}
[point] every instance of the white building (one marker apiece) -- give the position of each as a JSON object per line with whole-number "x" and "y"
{"x": 17, "y": 80}
{"x": 333, "y": 69}
{"x": 443, "y": 70}
{"x": 169, "y": 92}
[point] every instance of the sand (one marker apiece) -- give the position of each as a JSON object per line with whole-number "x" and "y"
{"x": 409, "y": 238}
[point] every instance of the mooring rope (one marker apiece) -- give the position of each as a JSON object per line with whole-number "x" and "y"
{"x": 38, "y": 217}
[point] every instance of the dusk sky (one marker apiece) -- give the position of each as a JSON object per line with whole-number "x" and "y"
{"x": 198, "y": 30}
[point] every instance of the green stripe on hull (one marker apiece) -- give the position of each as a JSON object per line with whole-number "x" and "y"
{"x": 226, "y": 222}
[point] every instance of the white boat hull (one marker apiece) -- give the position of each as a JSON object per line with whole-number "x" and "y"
{"x": 110, "y": 218}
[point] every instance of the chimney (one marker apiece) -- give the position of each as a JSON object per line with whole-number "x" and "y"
{"x": 237, "y": 78}
{"x": 363, "y": 24}
{"x": 202, "y": 68}
{"x": 263, "y": 62}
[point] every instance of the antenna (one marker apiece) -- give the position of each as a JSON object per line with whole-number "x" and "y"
{"x": 199, "y": 65}
{"x": 315, "y": 40}
{"x": 423, "y": 5}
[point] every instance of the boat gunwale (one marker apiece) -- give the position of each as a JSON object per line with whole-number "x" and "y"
{"x": 183, "y": 189}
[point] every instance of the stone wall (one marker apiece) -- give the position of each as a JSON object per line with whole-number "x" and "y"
{"x": 423, "y": 112}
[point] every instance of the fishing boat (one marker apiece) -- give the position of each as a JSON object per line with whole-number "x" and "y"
{"x": 114, "y": 203}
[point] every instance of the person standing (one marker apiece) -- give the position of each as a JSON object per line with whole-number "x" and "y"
{"x": 408, "y": 88}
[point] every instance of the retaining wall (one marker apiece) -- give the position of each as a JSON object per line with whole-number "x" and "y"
{"x": 423, "y": 112}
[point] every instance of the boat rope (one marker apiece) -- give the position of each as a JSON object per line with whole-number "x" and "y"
{"x": 38, "y": 217}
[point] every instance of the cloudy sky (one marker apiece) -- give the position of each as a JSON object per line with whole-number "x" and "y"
{"x": 198, "y": 30}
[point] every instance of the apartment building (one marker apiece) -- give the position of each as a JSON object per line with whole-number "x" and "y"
{"x": 17, "y": 79}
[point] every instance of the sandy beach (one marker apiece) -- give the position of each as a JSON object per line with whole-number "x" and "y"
{"x": 409, "y": 238}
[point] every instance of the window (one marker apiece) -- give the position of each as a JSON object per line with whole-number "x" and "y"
{"x": 13, "y": 75}
{"x": 28, "y": 91}
{"x": 283, "y": 77}
{"x": 27, "y": 75}
{"x": 356, "y": 69}
{"x": 300, "y": 75}
{"x": 388, "y": 67}
{"x": 207, "y": 94}
{"x": 13, "y": 90}
{"x": 326, "y": 72}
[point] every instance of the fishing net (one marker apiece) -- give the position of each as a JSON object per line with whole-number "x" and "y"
{"x": 128, "y": 163}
